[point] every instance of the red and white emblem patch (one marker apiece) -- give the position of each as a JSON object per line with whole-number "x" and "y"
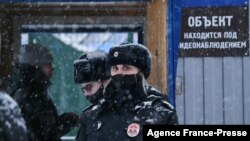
{"x": 133, "y": 129}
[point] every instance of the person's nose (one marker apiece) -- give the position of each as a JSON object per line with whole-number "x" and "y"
{"x": 120, "y": 71}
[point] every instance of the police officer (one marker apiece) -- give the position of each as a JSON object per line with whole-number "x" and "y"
{"x": 128, "y": 103}
{"x": 91, "y": 71}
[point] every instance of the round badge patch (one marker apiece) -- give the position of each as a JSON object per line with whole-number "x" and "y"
{"x": 133, "y": 130}
{"x": 116, "y": 54}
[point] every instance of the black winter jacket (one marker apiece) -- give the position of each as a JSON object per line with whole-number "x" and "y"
{"x": 105, "y": 122}
{"x": 28, "y": 86}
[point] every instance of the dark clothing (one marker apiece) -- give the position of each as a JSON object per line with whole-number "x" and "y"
{"x": 106, "y": 121}
{"x": 43, "y": 121}
{"x": 12, "y": 124}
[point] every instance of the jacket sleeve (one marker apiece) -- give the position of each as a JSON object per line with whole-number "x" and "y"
{"x": 42, "y": 118}
{"x": 45, "y": 121}
{"x": 45, "y": 125}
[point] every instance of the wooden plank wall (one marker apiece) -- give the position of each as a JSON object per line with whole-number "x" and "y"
{"x": 156, "y": 42}
{"x": 216, "y": 90}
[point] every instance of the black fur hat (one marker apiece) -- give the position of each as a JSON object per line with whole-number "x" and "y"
{"x": 91, "y": 66}
{"x": 131, "y": 54}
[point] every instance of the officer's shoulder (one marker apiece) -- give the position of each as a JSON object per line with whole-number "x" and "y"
{"x": 157, "y": 97}
{"x": 158, "y": 103}
{"x": 90, "y": 108}
{"x": 162, "y": 105}
{"x": 92, "y": 111}
{"x": 152, "y": 90}
{"x": 164, "y": 109}
{"x": 87, "y": 108}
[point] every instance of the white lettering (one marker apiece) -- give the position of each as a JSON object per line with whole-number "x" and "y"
{"x": 213, "y": 21}
{"x": 150, "y": 133}
{"x": 210, "y": 45}
{"x": 202, "y": 35}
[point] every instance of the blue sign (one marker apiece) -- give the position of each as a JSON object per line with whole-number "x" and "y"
{"x": 13, "y": 1}
{"x": 175, "y": 8}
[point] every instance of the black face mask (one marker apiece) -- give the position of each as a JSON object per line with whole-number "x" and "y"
{"x": 96, "y": 96}
{"x": 126, "y": 88}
